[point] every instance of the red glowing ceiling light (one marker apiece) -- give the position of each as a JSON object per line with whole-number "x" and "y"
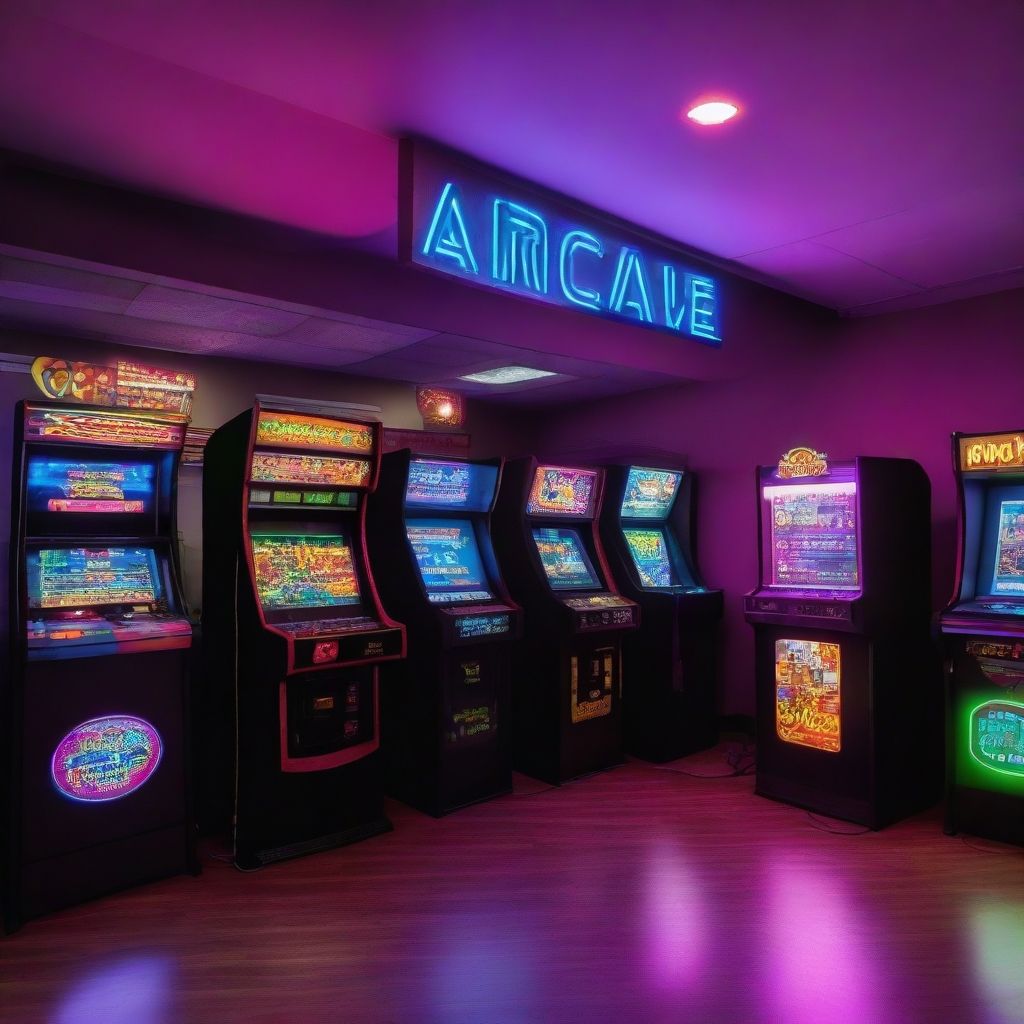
{"x": 440, "y": 407}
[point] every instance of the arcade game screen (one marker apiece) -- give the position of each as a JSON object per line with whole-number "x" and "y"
{"x": 444, "y": 484}
{"x": 565, "y": 562}
{"x": 304, "y": 571}
{"x": 1008, "y": 573}
{"x": 448, "y": 559}
{"x": 556, "y": 491}
{"x": 83, "y": 577}
{"x": 649, "y": 493}
{"x": 650, "y": 556}
{"x": 65, "y": 485}
{"x": 814, "y": 535}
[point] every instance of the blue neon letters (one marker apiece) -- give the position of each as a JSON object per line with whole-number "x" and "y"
{"x": 602, "y": 276}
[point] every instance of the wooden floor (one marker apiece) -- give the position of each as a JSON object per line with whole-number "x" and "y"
{"x": 637, "y": 895}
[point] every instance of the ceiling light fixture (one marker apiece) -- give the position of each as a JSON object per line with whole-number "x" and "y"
{"x": 506, "y": 375}
{"x": 713, "y": 112}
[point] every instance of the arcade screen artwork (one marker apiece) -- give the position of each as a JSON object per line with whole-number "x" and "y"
{"x": 82, "y": 577}
{"x": 1008, "y": 575}
{"x": 65, "y": 485}
{"x": 304, "y": 571}
{"x": 566, "y": 492}
{"x": 294, "y": 430}
{"x": 807, "y": 702}
{"x": 445, "y": 484}
{"x": 565, "y": 562}
{"x": 448, "y": 559}
{"x": 649, "y": 493}
{"x": 650, "y": 556}
{"x": 814, "y": 535}
{"x": 997, "y": 736}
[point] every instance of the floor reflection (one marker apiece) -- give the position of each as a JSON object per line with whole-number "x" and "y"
{"x": 997, "y": 943}
{"x": 674, "y": 921}
{"x": 819, "y": 955}
{"x": 135, "y": 988}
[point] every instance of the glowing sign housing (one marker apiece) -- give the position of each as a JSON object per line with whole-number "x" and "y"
{"x": 649, "y": 493}
{"x": 137, "y": 429}
{"x": 997, "y": 737}
{"x": 991, "y": 452}
{"x": 268, "y": 467}
{"x": 467, "y": 220}
{"x": 562, "y": 492}
{"x": 440, "y": 483}
{"x": 808, "y": 711}
{"x": 64, "y": 485}
{"x": 304, "y": 571}
{"x": 293, "y": 430}
{"x": 106, "y": 758}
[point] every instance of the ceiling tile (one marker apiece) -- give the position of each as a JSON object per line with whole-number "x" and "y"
{"x": 196, "y": 309}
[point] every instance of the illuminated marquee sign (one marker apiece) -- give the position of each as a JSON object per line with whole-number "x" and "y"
{"x": 471, "y": 222}
{"x": 992, "y": 451}
{"x": 802, "y": 462}
{"x": 106, "y": 758}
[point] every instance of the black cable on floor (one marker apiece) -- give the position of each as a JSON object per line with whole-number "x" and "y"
{"x": 821, "y": 826}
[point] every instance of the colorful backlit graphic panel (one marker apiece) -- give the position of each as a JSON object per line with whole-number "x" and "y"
{"x": 814, "y": 535}
{"x": 448, "y": 559}
{"x": 1008, "y": 576}
{"x": 468, "y": 626}
{"x": 649, "y": 493}
{"x": 565, "y": 492}
{"x": 997, "y": 736}
{"x": 106, "y": 758}
{"x": 440, "y": 483}
{"x": 63, "y": 485}
{"x": 304, "y": 571}
{"x": 310, "y": 469}
{"x": 807, "y": 698}
{"x": 650, "y": 556}
{"x": 292, "y": 430}
{"x": 83, "y": 577}
{"x": 565, "y": 561}
{"x": 119, "y": 428}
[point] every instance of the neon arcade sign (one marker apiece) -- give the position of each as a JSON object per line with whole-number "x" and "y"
{"x": 465, "y": 220}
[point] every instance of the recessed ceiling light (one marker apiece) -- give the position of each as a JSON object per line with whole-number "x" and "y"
{"x": 713, "y": 112}
{"x": 506, "y": 375}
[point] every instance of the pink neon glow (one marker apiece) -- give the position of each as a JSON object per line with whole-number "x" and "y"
{"x": 790, "y": 489}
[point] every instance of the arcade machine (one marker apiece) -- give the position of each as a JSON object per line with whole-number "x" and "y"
{"x": 567, "y": 697}
{"x": 294, "y": 632}
{"x": 668, "y": 702}
{"x": 96, "y": 706}
{"x": 446, "y": 740}
{"x": 983, "y": 636}
{"x": 847, "y": 722}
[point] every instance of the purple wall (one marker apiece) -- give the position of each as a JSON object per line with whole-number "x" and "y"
{"x": 895, "y": 385}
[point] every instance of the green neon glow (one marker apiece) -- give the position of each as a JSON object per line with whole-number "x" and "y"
{"x": 1017, "y": 771}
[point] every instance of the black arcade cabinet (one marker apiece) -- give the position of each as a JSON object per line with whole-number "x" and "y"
{"x": 670, "y": 662}
{"x": 294, "y": 632}
{"x": 983, "y": 635}
{"x": 567, "y": 670}
{"x": 848, "y": 720}
{"x": 446, "y": 736}
{"x": 96, "y": 702}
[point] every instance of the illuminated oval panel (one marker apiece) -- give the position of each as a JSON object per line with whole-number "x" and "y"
{"x": 106, "y": 758}
{"x": 997, "y": 736}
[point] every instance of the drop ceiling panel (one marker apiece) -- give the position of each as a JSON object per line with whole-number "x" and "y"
{"x": 355, "y": 338}
{"x": 196, "y": 309}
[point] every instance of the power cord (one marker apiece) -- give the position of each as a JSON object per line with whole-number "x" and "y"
{"x": 821, "y": 824}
